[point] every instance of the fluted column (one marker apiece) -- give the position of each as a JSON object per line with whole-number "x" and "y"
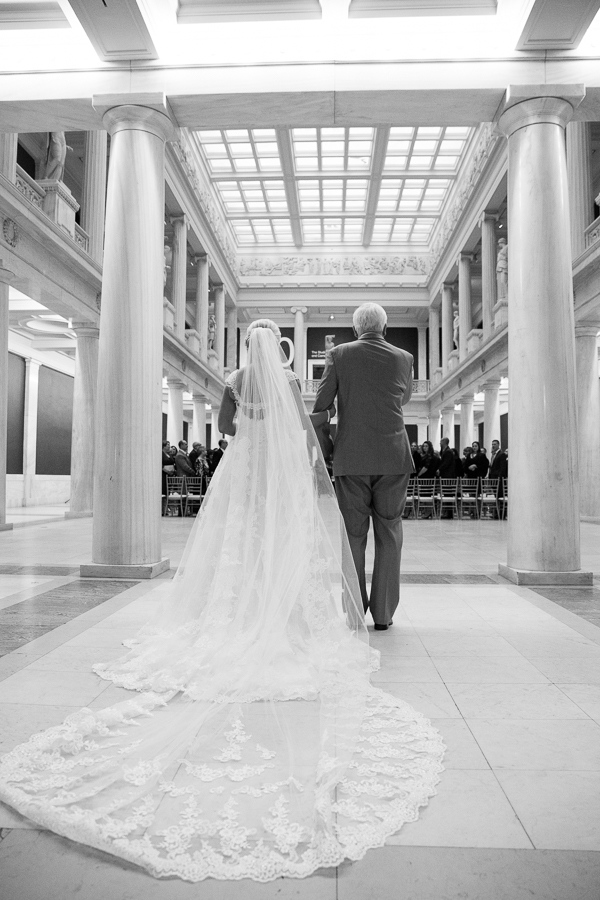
{"x": 30, "y": 422}
{"x": 220, "y": 335}
{"x": 588, "y": 409}
{"x": 179, "y": 273}
{"x": 6, "y": 276}
{"x": 579, "y": 174}
{"x": 202, "y": 296}
{"x": 434, "y": 429}
{"x": 83, "y": 439}
{"x": 199, "y": 419}
{"x": 422, "y": 352}
{"x": 8, "y": 155}
{"x": 543, "y": 523}
{"x": 488, "y": 271}
{"x": 491, "y": 412}
{"x": 93, "y": 205}
{"x": 467, "y": 425}
{"x": 127, "y": 505}
{"x": 434, "y": 340}
{"x": 175, "y": 389}
{"x": 447, "y": 328}
{"x": 448, "y": 423}
{"x": 299, "y": 344}
{"x": 232, "y": 338}
{"x": 464, "y": 302}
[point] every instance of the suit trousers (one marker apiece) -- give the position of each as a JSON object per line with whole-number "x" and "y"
{"x": 381, "y": 497}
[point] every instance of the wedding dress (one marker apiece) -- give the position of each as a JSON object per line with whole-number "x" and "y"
{"x": 254, "y": 745}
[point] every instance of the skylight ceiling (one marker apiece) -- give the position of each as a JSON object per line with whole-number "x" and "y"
{"x": 334, "y": 186}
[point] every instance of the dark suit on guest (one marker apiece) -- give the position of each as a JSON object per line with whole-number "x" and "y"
{"x": 372, "y": 460}
{"x": 447, "y": 464}
{"x": 498, "y": 465}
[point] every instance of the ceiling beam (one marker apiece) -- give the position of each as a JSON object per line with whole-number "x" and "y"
{"x": 372, "y": 9}
{"x": 382, "y": 135}
{"x": 364, "y": 176}
{"x": 116, "y": 28}
{"x": 331, "y": 215}
{"x": 190, "y": 12}
{"x": 286, "y": 155}
{"x": 557, "y": 24}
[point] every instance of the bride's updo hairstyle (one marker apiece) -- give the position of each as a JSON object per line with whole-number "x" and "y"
{"x": 263, "y": 323}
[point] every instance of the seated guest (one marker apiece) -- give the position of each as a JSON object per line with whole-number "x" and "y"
{"x": 429, "y": 463}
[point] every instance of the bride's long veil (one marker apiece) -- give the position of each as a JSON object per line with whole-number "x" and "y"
{"x": 256, "y": 746}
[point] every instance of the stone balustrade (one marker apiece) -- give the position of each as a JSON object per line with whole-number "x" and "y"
{"x": 82, "y": 238}
{"x": 30, "y": 189}
{"x": 592, "y": 233}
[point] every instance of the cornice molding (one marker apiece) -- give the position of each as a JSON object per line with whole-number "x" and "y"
{"x": 340, "y": 265}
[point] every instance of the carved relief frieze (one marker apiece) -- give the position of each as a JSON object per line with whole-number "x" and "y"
{"x": 343, "y": 266}
{"x": 10, "y": 232}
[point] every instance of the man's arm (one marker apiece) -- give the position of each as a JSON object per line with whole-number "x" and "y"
{"x": 184, "y": 465}
{"x": 328, "y": 386}
{"x": 227, "y": 413}
{"x": 409, "y": 388}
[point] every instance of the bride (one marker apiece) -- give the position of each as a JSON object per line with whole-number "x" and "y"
{"x": 254, "y": 745}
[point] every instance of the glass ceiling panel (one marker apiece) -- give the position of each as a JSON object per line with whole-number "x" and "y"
{"x": 332, "y": 181}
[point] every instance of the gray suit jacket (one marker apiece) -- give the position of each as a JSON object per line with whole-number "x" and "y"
{"x": 371, "y": 380}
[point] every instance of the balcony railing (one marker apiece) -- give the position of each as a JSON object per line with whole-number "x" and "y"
{"x": 29, "y": 188}
{"x": 592, "y": 233}
{"x": 421, "y": 386}
{"x": 82, "y": 238}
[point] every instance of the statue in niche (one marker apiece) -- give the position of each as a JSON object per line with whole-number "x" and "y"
{"x": 212, "y": 332}
{"x": 329, "y": 342}
{"x": 502, "y": 269}
{"x": 167, "y": 264}
{"x": 455, "y": 329}
{"x": 56, "y": 155}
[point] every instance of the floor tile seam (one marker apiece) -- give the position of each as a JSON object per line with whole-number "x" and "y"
{"x": 560, "y": 686}
{"x": 572, "y": 620}
{"x": 36, "y": 591}
{"x": 510, "y": 803}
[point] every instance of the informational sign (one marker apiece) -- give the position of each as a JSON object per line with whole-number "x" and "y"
{"x": 321, "y": 339}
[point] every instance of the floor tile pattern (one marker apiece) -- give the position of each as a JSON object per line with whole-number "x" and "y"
{"x": 583, "y": 601}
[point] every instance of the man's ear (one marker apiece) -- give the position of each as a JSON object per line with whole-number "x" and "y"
{"x": 384, "y": 330}
{"x": 355, "y": 331}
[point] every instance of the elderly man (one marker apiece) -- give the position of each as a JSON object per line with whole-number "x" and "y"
{"x": 372, "y": 460}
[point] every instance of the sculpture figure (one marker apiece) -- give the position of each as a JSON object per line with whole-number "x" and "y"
{"x": 502, "y": 269}
{"x": 455, "y": 329}
{"x": 329, "y": 342}
{"x": 56, "y": 155}
{"x": 212, "y": 332}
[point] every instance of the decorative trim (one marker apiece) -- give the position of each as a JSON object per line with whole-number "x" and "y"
{"x": 10, "y": 232}
{"x": 269, "y": 266}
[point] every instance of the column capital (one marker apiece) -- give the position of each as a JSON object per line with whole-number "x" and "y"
{"x": 180, "y": 221}
{"x": 464, "y": 256}
{"x": 537, "y": 104}
{"x": 174, "y": 382}
{"x": 32, "y": 363}
{"x": 587, "y": 329}
{"x": 446, "y": 410}
{"x": 199, "y": 398}
{"x": 202, "y": 258}
{"x": 301, "y": 309}
{"x": 124, "y": 114}
{"x": 466, "y": 398}
{"x": 6, "y": 276}
{"x": 85, "y": 329}
{"x": 492, "y": 384}
{"x": 488, "y": 215}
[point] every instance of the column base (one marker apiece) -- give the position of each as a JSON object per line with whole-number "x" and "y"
{"x": 530, "y": 577}
{"x": 79, "y": 515}
{"x": 139, "y": 571}
{"x": 6, "y": 526}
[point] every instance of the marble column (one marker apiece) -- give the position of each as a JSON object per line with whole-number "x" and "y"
{"x": 467, "y": 425}
{"x": 6, "y": 276}
{"x": 32, "y": 381}
{"x": 215, "y": 435}
{"x": 127, "y": 482}
{"x": 299, "y": 364}
{"x": 8, "y": 155}
{"x": 175, "y": 389}
{"x": 232, "y": 339}
{"x": 179, "y": 272}
{"x": 199, "y": 419}
{"x": 579, "y": 175}
{"x": 202, "y": 296}
{"x": 93, "y": 205}
{"x": 243, "y": 349}
{"x": 83, "y": 439}
{"x": 488, "y": 271}
{"x": 448, "y": 423}
{"x": 422, "y": 353}
{"x": 543, "y": 523}
{"x": 588, "y": 410}
{"x": 220, "y": 335}
{"x": 434, "y": 429}
{"x": 447, "y": 327}
{"x": 434, "y": 340}
{"x": 491, "y": 412}
{"x": 464, "y": 302}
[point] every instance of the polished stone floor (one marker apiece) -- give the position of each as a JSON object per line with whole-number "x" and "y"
{"x": 509, "y": 675}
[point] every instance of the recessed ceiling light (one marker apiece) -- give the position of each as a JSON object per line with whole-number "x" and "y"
{"x": 332, "y": 317}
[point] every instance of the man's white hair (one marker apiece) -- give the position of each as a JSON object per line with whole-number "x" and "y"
{"x": 369, "y": 317}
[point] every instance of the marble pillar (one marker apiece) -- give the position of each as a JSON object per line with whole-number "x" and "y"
{"x": 8, "y": 155}
{"x": 422, "y": 353}
{"x": 127, "y": 482}
{"x": 488, "y": 272}
{"x": 83, "y": 438}
{"x": 467, "y": 425}
{"x": 93, "y": 204}
{"x": 434, "y": 340}
{"x": 215, "y": 435}
{"x": 543, "y": 522}
{"x": 179, "y": 273}
{"x": 579, "y": 175}
{"x": 243, "y": 349}
{"x": 202, "y": 297}
{"x": 434, "y": 429}
{"x": 491, "y": 412}
{"x": 299, "y": 364}
{"x": 232, "y": 339}
{"x": 175, "y": 389}
{"x": 220, "y": 335}
{"x": 447, "y": 327}
{"x": 588, "y": 410}
{"x": 199, "y": 419}
{"x": 6, "y": 276}
{"x": 464, "y": 302}
{"x": 32, "y": 381}
{"x": 448, "y": 423}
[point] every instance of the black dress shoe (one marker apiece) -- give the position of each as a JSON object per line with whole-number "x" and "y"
{"x": 383, "y": 627}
